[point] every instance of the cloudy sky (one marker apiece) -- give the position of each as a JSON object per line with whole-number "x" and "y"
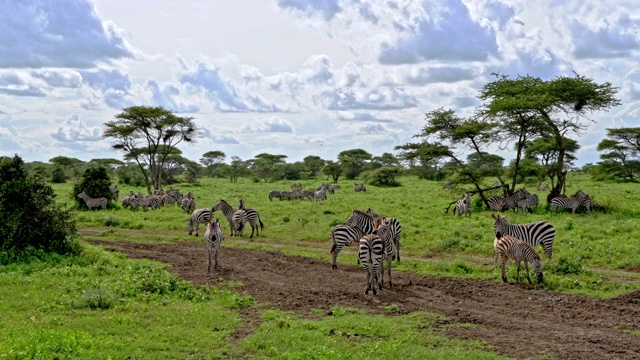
{"x": 293, "y": 77}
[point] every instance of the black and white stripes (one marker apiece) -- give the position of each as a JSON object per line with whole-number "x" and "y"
{"x": 539, "y": 232}
{"x": 213, "y": 238}
{"x": 510, "y": 247}
{"x": 100, "y": 202}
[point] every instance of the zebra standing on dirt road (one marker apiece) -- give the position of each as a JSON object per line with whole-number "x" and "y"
{"x": 509, "y": 247}
{"x": 370, "y": 251}
{"x": 213, "y": 237}
{"x": 384, "y": 232}
{"x": 539, "y": 232}
{"x": 343, "y": 235}
{"x": 91, "y": 203}
{"x": 252, "y": 216}
{"x": 394, "y": 227}
{"x": 200, "y": 216}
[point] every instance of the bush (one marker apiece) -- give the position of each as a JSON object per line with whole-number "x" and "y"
{"x": 29, "y": 218}
{"x": 95, "y": 182}
{"x": 384, "y": 176}
{"x": 58, "y": 176}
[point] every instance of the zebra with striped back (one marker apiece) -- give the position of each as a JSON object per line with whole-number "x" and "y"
{"x": 361, "y": 220}
{"x": 496, "y": 203}
{"x": 395, "y": 228}
{"x": 587, "y": 203}
{"x": 307, "y": 194}
{"x": 343, "y": 235}
{"x": 200, "y": 216}
{"x": 320, "y": 195}
{"x": 370, "y": 251}
{"x": 238, "y": 219}
{"x": 568, "y": 203}
{"x": 509, "y": 247}
{"x": 464, "y": 206}
{"x": 384, "y": 232}
{"x": 227, "y": 210}
{"x": 511, "y": 202}
{"x": 359, "y": 187}
{"x": 213, "y": 238}
{"x": 275, "y": 194}
{"x": 535, "y": 233}
{"x": 91, "y": 203}
{"x": 252, "y": 216}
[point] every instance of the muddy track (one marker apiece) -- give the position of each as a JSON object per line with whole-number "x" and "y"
{"x": 518, "y": 321}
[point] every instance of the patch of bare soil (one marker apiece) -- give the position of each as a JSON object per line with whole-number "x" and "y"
{"x": 517, "y": 320}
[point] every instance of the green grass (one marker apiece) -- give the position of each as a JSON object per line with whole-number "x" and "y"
{"x": 103, "y": 305}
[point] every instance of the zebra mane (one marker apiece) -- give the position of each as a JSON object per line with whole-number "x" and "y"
{"x": 361, "y": 213}
{"x": 224, "y": 201}
{"x": 499, "y": 217}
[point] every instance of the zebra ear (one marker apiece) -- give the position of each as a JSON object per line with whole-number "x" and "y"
{"x": 495, "y": 216}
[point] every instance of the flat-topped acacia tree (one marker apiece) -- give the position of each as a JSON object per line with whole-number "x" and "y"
{"x": 148, "y": 135}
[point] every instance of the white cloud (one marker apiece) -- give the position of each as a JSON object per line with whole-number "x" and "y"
{"x": 271, "y": 124}
{"x": 73, "y": 129}
{"x": 105, "y": 79}
{"x": 325, "y": 8}
{"x": 169, "y": 98}
{"x": 58, "y": 35}
{"x": 387, "y": 98}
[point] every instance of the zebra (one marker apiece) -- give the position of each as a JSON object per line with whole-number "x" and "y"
{"x": 213, "y": 237}
{"x": 384, "y": 232}
{"x": 290, "y": 195}
{"x": 307, "y": 194}
{"x": 227, "y": 211}
{"x": 543, "y": 187}
{"x": 238, "y": 219}
{"x": 509, "y": 247}
{"x": 464, "y": 206}
{"x": 588, "y": 203}
{"x": 511, "y": 202}
{"x": 252, "y": 216}
{"x": 496, "y": 203}
{"x": 539, "y": 232}
{"x": 125, "y": 201}
{"x": 361, "y": 220}
{"x": 93, "y": 202}
{"x": 320, "y": 195}
{"x": 359, "y": 187}
{"x": 168, "y": 200}
{"x": 200, "y": 216}
{"x": 395, "y": 228}
{"x": 568, "y": 203}
{"x": 370, "y": 251}
{"x": 523, "y": 204}
{"x": 275, "y": 194}
{"x": 343, "y": 235}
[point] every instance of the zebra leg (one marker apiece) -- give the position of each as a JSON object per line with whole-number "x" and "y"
{"x": 253, "y": 228}
{"x": 216, "y": 257}
{"x": 517, "y": 271}
{"x": 380, "y": 275}
{"x": 209, "y": 253}
{"x": 526, "y": 267}
{"x": 502, "y": 265}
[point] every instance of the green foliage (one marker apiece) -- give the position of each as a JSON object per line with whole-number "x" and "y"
{"x": 566, "y": 266}
{"x": 30, "y": 221}
{"x": 95, "y": 182}
{"x": 384, "y": 176}
{"x": 58, "y": 176}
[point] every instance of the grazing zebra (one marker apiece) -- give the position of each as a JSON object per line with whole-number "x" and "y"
{"x": 341, "y": 236}
{"x": 275, "y": 194}
{"x": 152, "y": 202}
{"x": 370, "y": 251}
{"x": 227, "y": 211}
{"x": 307, "y": 194}
{"x": 509, "y": 247}
{"x": 539, "y": 232}
{"x": 523, "y": 204}
{"x": 289, "y": 195}
{"x": 125, "y": 201}
{"x": 543, "y": 187}
{"x": 496, "y": 203}
{"x": 213, "y": 237}
{"x": 168, "y": 200}
{"x": 384, "y": 232}
{"x": 464, "y": 206}
{"x": 588, "y": 203}
{"x": 568, "y": 203}
{"x": 252, "y": 216}
{"x": 200, "y": 216}
{"x": 395, "y": 228}
{"x": 93, "y": 202}
{"x": 238, "y": 223}
{"x": 361, "y": 220}
{"x": 359, "y": 187}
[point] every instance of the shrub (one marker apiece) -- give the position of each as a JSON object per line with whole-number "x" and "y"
{"x": 29, "y": 218}
{"x": 58, "y": 176}
{"x": 94, "y": 182}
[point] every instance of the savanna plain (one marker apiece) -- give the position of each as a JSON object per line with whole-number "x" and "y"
{"x": 140, "y": 287}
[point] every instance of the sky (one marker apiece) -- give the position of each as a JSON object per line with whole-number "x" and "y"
{"x": 294, "y": 77}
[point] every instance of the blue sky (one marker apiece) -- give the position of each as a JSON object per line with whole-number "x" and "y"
{"x": 293, "y": 77}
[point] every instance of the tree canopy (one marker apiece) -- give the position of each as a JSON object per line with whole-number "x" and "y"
{"x": 148, "y": 135}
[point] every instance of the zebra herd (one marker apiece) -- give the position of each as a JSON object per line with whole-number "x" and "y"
{"x": 521, "y": 200}
{"x": 299, "y": 193}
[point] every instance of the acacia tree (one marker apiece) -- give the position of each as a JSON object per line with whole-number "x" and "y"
{"x": 620, "y": 152}
{"x": 544, "y": 150}
{"x": 148, "y": 135}
{"x": 557, "y": 107}
{"x": 353, "y": 162}
{"x": 212, "y": 160}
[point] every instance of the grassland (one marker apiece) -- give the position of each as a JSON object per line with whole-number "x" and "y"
{"x": 103, "y": 305}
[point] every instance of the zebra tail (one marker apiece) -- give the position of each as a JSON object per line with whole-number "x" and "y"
{"x": 261, "y": 224}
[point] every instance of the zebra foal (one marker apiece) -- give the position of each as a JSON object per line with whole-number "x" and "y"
{"x": 213, "y": 237}
{"x": 91, "y": 203}
{"x": 509, "y": 247}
